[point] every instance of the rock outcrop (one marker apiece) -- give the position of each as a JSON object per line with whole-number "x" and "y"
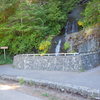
{"x": 88, "y": 40}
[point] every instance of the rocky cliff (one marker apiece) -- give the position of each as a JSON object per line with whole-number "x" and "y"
{"x": 87, "y": 40}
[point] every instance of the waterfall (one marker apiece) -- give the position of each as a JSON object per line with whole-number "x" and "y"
{"x": 74, "y": 27}
{"x": 57, "y": 49}
{"x": 71, "y": 27}
{"x": 66, "y": 28}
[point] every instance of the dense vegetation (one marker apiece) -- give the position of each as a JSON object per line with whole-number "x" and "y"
{"x": 24, "y": 25}
{"x": 27, "y": 26}
{"x": 8, "y": 60}
{"x": 91, "y": 14}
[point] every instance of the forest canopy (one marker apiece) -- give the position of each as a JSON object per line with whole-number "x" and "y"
{"x": 25, "y": 24}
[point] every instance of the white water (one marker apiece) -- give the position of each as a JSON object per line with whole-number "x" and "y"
{"x": 73, "y": 27}
{"x": 66, "y": 28}
{"x": 57, "y": 49}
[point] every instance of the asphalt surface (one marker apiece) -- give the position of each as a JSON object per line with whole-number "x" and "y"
{"x": 90, "y": 79}
{"x": 8, "y": 91}
{"x": 15, "y": 95}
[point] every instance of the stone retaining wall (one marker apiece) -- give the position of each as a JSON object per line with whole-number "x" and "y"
{"x": 79, "y": 62}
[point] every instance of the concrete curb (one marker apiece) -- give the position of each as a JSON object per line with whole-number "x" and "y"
{"x": 80, "y": 90}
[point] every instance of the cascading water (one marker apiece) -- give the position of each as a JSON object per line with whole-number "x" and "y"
{"x": 57, "y": 49}
{"x": 71, "y": 27}
{"x": 74, "y": 27}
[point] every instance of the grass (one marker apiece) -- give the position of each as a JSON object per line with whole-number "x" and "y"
{"x": 3, "y": 61}
{"x": 82, "y": 70}
{"x": 50, "y": 97}
{"x": 45, "y": 94}
{"x": 66, "y": 46}
{"x": 21, "y": 81}
{"x": 31, "y": 83}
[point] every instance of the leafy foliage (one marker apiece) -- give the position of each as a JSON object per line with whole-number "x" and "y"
{"x": 21, "y": 81}
{"x": 44, "y": 46}
{"x": 25, "y": 25}
{"x": 8, "y": 60}
{"x": 66, "y": 46}
{"x": 80, "y": 23}
{"x": 92, "y": 13}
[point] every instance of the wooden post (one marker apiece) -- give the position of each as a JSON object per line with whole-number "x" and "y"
{"x": 4, "y": 54}
{"x": 4, "y": 49}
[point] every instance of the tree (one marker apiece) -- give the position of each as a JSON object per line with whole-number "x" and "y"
{"x": 92, "y": 13}
{"x": 24, "y": 26}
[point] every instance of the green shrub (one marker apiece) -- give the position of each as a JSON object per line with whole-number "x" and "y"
{"x": 28, "y": 24}
{"x": 21, "y": 81}
{"x": 44, "y": 46}
{"x": 45, "y": 94}
{"x": 66, "y": 46}
{"x": 31, "y": 83}
{"x": 8, "y": 60}
{"x": 72, "y": 51}
{"x": 91, "y": 14}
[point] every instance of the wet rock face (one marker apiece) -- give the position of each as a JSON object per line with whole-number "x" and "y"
{"x": 86, "y": 41}
{"x": 89, "y": 46}
{"x": 91, "y": 40}
{"x": 76, "y": 13}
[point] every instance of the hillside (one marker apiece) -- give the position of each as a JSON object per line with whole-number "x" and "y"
{"x": 28, "y": 26}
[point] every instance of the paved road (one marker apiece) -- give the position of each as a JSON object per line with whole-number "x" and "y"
{"x": 15, "y": 95}
{"x": 8, "y": 91}
{"x": 89, "y": 79}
